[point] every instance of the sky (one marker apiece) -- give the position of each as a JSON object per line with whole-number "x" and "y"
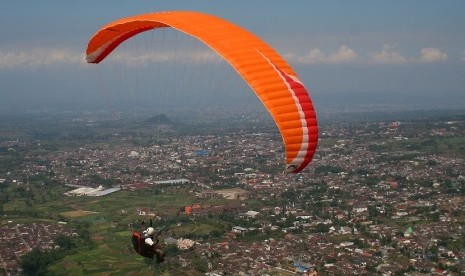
{"x": 346, "y": 52}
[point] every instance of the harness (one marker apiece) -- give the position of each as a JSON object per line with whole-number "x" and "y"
{"x": 139, "y": 245}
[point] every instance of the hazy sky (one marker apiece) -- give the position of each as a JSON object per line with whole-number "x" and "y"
{"x": 393, "y": 51}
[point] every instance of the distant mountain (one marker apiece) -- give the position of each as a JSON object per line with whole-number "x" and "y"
{"x": 160, "y": 119}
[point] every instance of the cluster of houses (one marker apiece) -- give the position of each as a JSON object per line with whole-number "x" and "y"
{"x": 378, "y": 197}
{"x": 18, "y": 239}
{"x": 339, "y": 251}
{"x": 183, "y": 156}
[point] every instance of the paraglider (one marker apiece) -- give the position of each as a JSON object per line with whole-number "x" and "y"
{"x": 263, "y": 69}
{"x": 147, "y": 244}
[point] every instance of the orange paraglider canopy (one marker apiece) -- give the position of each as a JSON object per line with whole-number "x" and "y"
{"x": 269, "y": 75}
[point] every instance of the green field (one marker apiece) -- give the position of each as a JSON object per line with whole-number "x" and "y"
{"x": 110, "y": 221}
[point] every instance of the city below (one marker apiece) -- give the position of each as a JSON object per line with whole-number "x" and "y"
{"x": 383, "y": 195}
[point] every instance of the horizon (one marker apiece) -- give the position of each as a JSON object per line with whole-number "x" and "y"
{"x": 349, "y": 54}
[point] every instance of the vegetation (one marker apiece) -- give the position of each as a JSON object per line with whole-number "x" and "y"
{"x": 104, "y": 224}
{"x": 36, "y": 262}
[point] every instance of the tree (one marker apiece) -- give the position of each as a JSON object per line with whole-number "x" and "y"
{"x": 327, "y": 169}
{"x": 35, "y": 262}
{"x": 321, "y": 228}
{"x": 65, "y": 242}
{"x": 171, "y": 250}
{"x": 200, "y": 265}
{"x": 372, "y": 212}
